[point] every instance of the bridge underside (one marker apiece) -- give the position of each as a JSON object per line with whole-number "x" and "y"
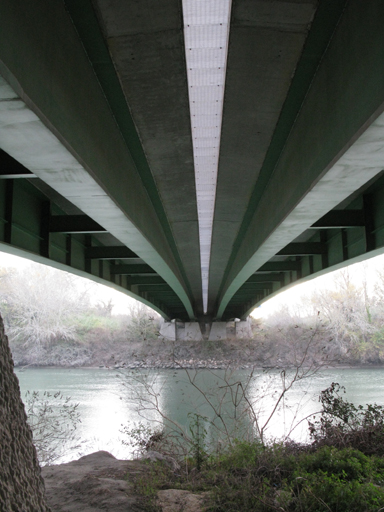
{"x": 99, "y": 168}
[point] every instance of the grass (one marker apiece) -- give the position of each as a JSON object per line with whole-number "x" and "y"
{"x": 252, "y": 477}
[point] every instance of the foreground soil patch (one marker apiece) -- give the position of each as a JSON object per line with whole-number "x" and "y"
{"x": 94, "y": 483}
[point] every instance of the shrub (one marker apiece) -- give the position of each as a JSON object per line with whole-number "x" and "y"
{"x": 53, "y": 419}
{"x": 254, "y": 476}
{"x": 342, "y": 424}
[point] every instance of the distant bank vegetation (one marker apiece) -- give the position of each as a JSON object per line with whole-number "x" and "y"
{"x": 50, "y": 320}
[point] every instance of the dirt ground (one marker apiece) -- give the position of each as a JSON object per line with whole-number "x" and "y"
{"x": 100, "y": 483}
{"x": 94, "y": 483}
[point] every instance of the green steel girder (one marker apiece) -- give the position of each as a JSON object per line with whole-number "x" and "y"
{"x": 96, "y": 160}
{"x": 345, "y": 245}
{"x": 68, "y": 137}
{"x": 23, "y": 219}
{"x": 333, "y": 151}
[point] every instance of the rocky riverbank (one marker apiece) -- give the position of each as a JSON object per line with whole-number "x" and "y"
{"x": 265, "y": 349}
{"x": 187, "y": 364}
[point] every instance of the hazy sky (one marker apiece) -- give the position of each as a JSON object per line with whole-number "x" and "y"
{"x": 292, "y": 296}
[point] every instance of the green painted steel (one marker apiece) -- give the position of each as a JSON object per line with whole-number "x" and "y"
{"x": 96, "y": 162}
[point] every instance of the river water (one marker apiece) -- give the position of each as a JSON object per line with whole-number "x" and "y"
{"x": 110, "y": 399}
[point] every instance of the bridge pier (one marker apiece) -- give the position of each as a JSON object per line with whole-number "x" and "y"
{"x": 189, "y": 331}
{"x": 168, "y": 331}
{"x": 243, "y": 329}
{"x": 192, "y": 331}
{"x": 218, "y": 331}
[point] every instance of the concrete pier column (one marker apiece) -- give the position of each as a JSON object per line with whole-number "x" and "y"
{"x": 218, "y": 331}
{"x": 243, "y": 329}
{"x": 168, "y": 330}
{"x": 190, "y": 331}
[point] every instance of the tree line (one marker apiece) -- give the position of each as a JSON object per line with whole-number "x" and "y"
{"x": 50, "y": 319}
{"x": 48, "y": 312}
{"x": 349, "y": 319}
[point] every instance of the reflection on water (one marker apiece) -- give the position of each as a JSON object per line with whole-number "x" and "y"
{"x": 109, "y": 399}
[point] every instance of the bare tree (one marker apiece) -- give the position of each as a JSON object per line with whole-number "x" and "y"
{"x": 53, "y": 419}
{"x": 142, "y": 323}
{"x": 229, "y": 409}
{"x": 347, "y": 311}
{"x": 39, "y": 303}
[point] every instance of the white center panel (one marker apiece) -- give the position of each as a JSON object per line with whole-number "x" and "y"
{"x": 206, "y": 34}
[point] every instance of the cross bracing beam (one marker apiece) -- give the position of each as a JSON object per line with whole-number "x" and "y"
{"x": 338, "y": 219}
{"x": 255, "y": 286}
{"x": 147, "y": 280}
{"x": 74, "y": 224}
{"x": 303, "y": 249}
{"x": 109, "y": 253}
{"x": 168, "y": 294}
{"x": 11, "y": 168}
{"x": 265, "y": 278}
{"x": 155, "y": 288}
{"x": 131, "y": 269}
{"x": 278, "y": 266}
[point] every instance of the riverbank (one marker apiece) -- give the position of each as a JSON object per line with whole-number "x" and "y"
{"x": 248, "y": 477}
{"x": 260, "y": 352}
{"x": 198, "y": 365}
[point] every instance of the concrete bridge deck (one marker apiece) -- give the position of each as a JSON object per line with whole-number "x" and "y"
{"x": 199, "y": 155}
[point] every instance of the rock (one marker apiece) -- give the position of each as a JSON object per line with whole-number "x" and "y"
{"x": 100, "y": 483}
{"x": 156, "y": 456}
{"x": 176, "y": 500}
{"x": 94, "y": 483}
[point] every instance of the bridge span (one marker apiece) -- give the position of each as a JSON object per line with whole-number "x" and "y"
{"x": 199, "y": 155}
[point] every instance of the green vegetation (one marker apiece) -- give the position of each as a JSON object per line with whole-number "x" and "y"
{"x": 51, "y": 320}
{"x": 257, "y": 478}
{"x": 330, "y": 474}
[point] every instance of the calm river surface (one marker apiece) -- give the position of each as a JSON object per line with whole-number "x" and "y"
{"x": 108, "y": 399}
